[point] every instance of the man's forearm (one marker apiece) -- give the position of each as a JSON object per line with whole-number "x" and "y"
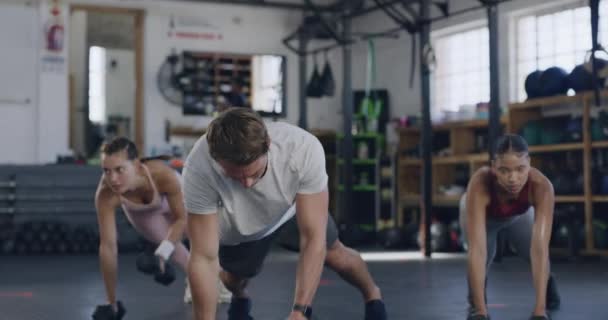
{"x": 108, "y": 266}
{"x": 308, "y": 274}
{"x": 539, "y": 256}
{"x": 202, "y": 274}
{"x": 477, "y": 278}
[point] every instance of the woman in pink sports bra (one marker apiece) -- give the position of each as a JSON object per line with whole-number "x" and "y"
{"x": 150, "y": 194}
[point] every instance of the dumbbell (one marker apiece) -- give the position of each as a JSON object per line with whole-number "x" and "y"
{"x": 148, "y": 263}
{"x": 105, "y": 312}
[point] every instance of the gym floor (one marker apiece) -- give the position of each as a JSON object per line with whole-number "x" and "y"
{"x": 69, "y": 287}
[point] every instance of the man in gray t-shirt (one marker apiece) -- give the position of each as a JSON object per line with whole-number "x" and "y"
{"x": 247, "y": 185}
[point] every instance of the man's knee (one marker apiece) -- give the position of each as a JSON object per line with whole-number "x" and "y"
{"x": 340, "y": 256}
{"x": 232, "y": 281}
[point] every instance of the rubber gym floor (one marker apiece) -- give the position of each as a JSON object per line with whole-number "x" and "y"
{"x": 69, "y": 287}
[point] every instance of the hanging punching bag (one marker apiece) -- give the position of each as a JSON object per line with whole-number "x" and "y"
{"x": 328, "y": 85}
{"x": 313, "y": 89}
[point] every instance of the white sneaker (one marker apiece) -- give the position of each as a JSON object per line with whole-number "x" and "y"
{"x": 187, "y": 293}
{"x": 223, "y": 295}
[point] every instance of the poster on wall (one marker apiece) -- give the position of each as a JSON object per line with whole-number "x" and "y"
{"x": 53, "y": 37}
{"x": 193, "y": 28}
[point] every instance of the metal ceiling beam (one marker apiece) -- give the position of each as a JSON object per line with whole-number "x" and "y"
{"x": 371, "y": 9}
{"x": 261, "y": 4}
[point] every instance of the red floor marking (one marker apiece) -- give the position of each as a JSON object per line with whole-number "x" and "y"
{"x": 16, "y": 294}
{"x": 497, "y": 305}
{"x": 325, "y": 282}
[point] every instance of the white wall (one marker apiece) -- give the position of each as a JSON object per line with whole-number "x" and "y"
{"x": 43, "y": 127}
{"x": 18, "y": 118}
{"x": 35, "y": 132}
{"x": 120, "y": 85}
{"x": 244, "y": 30}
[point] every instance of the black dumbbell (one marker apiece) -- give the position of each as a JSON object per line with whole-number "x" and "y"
{"x": 167, "y": 277}
{"x": 105, "y": 312}
{"x": 148, "y": 263}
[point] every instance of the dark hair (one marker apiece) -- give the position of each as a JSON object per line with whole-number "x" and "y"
{"x": 238, "y": 135}
{"x": 120, "y": 144}
{"x": 510, "y": 143}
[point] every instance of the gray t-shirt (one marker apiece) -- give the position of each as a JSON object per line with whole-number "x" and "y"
{"x": 296, "y": 165}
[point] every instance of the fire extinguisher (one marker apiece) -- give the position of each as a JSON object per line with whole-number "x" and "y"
{"x": 55, "y": 31}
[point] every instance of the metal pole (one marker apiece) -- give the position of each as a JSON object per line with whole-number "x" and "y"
{"x": 595, "y": 16}
{"x": 347, "y": 142}
{"x": 264, "y": 4}
{"x": 425, "y": 80}
{"x": 494, "y": 121}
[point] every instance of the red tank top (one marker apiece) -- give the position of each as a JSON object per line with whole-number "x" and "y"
{"x": 515, "y": 207}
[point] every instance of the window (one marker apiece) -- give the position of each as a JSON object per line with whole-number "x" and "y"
{"x": 97, "y": 84}
{"x": 462, "y": 74}
{"x": 559, "y": 38}
{"x": 268, "y": 84}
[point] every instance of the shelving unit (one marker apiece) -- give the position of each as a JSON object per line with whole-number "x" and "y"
{"x": 462, "y": 138}
{"x": 579, "y": 106}
{"x": 207, "y": 76}
{"x": 367, "y": 183}
{"x": 464, "y": 144}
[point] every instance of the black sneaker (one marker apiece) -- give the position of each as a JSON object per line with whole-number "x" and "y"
{"x": 553, "y": 299}
{"x": 239, "y": 309}
{"x": 474, "y": 316}
{"x": 375, "y": 310}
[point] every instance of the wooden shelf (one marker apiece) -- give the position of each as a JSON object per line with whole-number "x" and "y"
{"x": 595, "y": 252}
{"x": 599, "y": 198}
{"x": 410, "y": 161}
{"x": 600, "y": 144}
{"x": 438, "y": 200}
{"x": 556, "y": 147}
{"x": 409, "y": 129}
{"x": 480, "y": 157}
{"x": 544, "y": 102}
{"x": 464, "y": 159}
{"x": 567, "y": 199}
{"x": 186, "y": 131}
{"x": 473, "y": 123}
{"x": 446, "y": 201}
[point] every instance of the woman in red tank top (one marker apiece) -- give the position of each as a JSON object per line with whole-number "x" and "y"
{"x": 509, "y": 195}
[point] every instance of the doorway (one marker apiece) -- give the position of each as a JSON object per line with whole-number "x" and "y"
{"x": 106, "y": 87}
